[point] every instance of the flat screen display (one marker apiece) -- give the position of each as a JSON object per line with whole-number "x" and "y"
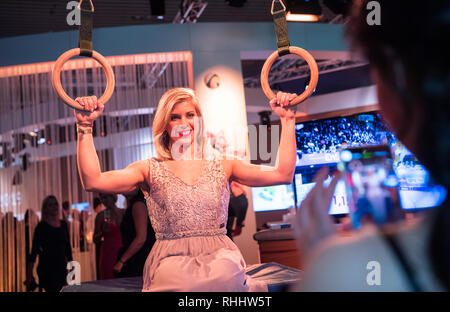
{"x": 319, "y": 143}
{"x": 338, "y": 202}
{"x": 275, "y": 197}
{"x": 81, "y": 206}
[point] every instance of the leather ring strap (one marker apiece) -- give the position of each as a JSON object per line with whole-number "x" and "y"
{"x": 283, "y": 45}
{"x": 281, "y": 31}
{"x": 85, "y": 33}
{"x": 56, "y": 77}
{"x": 314, "y": 71}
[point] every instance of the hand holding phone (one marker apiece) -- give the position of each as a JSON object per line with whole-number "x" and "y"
{"x": 371, "y": 185}
{"x": 313, "y": 223}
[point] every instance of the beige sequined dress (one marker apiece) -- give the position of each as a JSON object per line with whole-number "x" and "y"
{"x": 192, "y": 251}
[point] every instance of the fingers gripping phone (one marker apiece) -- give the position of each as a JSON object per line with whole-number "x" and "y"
{"x": 371, "y": 185}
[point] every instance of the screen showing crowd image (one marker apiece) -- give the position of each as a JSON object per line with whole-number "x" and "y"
{"x": 319, "y": 144}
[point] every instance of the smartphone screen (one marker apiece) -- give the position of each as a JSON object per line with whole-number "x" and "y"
{"x": 371, "y": 185}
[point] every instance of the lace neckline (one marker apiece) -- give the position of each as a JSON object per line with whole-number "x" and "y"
{"x": 197, "y": 180}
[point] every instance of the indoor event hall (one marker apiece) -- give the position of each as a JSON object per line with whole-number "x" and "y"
{"x": 215, "y": 146}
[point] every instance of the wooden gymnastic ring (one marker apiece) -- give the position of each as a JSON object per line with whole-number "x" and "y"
{"x": 312, "y": 67}
{"x": 56, "y": 77}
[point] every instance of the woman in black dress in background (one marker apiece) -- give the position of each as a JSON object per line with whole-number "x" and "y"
{"x": 51, "y": 242}
{"x": 138, "y": 237}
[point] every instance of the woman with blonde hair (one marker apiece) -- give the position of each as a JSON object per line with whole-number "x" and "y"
{"x": 187, "y": 192}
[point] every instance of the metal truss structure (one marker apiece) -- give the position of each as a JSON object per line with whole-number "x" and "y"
{"x": 152, "y": 75}
{"x": 329, "y": 17}
{"x": 292, "y": 68}
{"x": 190, "y": 11}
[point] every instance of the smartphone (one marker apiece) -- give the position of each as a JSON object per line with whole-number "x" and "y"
{"x": 371, "y": 185}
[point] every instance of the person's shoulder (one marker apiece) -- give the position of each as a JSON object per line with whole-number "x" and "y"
{"x": 64, "y": 224}
{"x": 227, "y": 164}
{"x": 100, "y": 214}
{"x": 41, "y": 224}
{"x": 243, "y": 196}
{"x": 143, "y": 163}
{"x": 151, "y": 162}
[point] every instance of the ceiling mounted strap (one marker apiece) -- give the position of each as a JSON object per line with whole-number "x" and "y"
{"x": 281, "y": 31}
{"x": 85, "y": 35}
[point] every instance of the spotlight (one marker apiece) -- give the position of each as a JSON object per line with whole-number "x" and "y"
{"x": 303, "y": 11}
{"x": 31, "y": 139}
{"x": 157, "y": 8}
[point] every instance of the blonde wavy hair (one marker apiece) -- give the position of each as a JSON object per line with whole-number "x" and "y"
{"x": 166, "y": 104}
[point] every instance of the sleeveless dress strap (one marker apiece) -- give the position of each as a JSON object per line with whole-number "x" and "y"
{"x": 149, "y": 172}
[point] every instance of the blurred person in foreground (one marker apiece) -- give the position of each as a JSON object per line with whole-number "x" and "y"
{"x": 410, "y": 66}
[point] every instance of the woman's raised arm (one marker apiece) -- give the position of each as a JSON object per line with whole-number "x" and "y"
{"x": 92, "y": 179}
{"x": 283, "y": 172}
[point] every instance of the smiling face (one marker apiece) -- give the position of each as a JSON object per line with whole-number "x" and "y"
{"x": 177, "y": 124}
{"x": 183, "y": 123}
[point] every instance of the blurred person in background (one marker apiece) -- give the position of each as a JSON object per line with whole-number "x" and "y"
{"x": 237, "y": 209}
{"x": 98, "y": 207}
{"x": 138, "y": 237}
{"x": 51, "y": 242}
{"x": 31, "y": 220}
{"x": 107, "y": 233}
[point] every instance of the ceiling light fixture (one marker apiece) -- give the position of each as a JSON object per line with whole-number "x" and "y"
{"x": 292, "y": 17}
{"x": 303, "y": 11}
{"x": 158, "y": 8}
